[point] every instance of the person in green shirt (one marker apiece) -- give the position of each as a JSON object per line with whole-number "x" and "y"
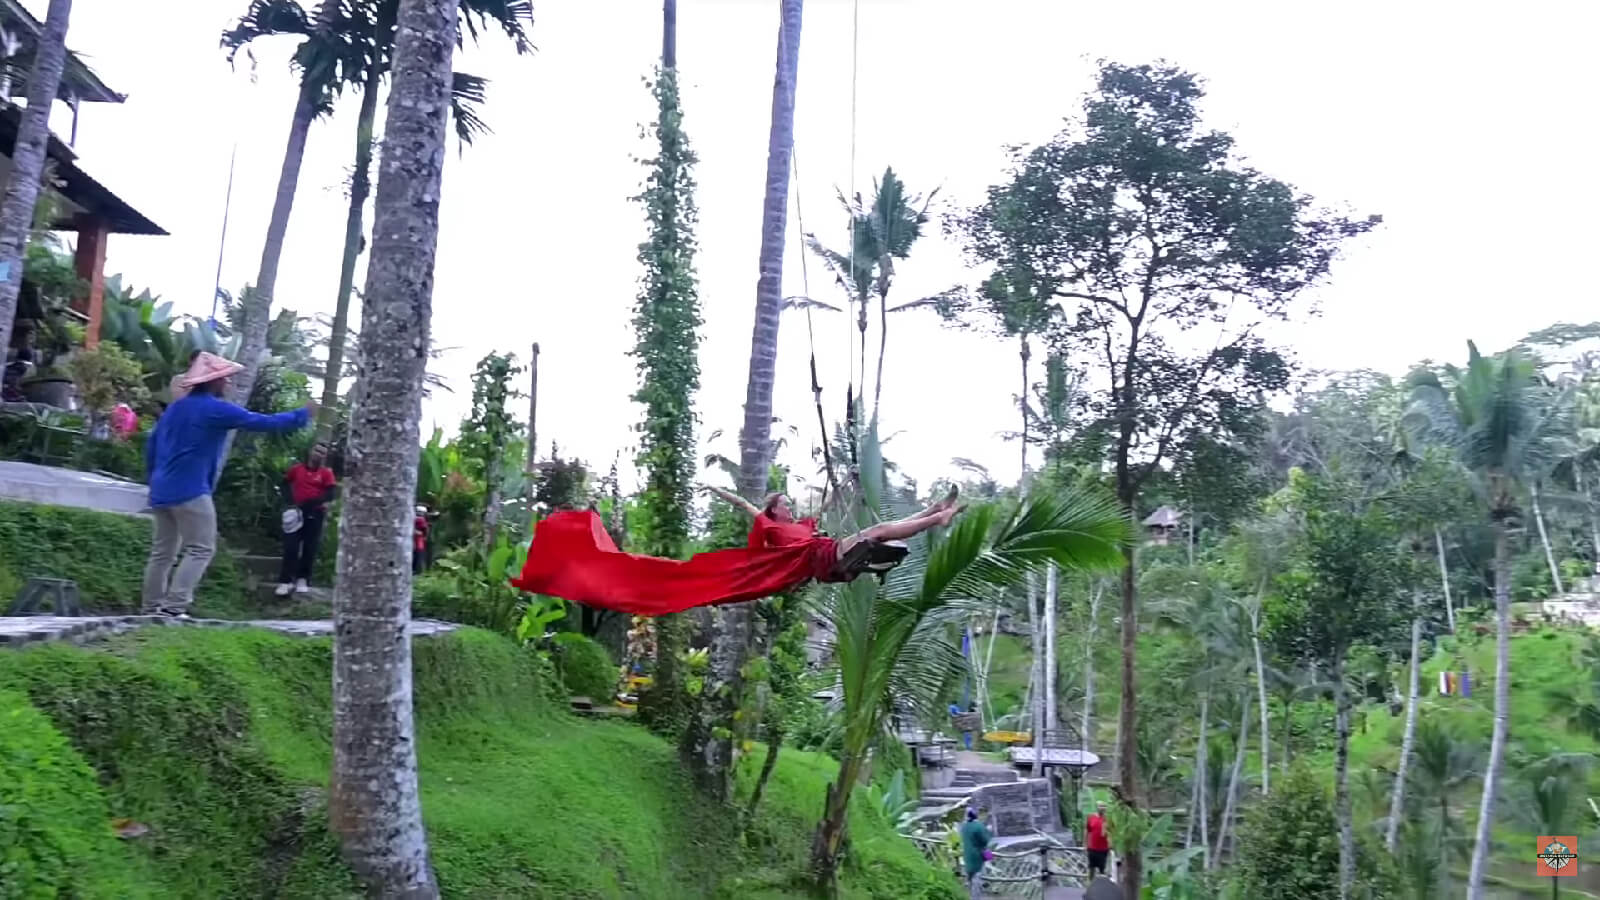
{"x": 975, "y": 841}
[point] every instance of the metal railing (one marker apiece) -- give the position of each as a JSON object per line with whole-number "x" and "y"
{"x": 1026, "y": 873}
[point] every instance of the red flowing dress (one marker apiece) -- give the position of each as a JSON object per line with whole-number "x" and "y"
{"x": 573, "y": 557}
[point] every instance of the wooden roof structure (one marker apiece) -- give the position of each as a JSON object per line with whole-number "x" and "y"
{"x": 1165, "y": 517}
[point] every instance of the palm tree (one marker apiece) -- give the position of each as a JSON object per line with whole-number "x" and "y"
{"x": 879, "y": 234}
{"x": 28, "y": 158}
{"x": 1262, "y": 548}
{"x": 731, "y": 624}
{"x": 1507, "y": 427}
{"x": 1442, "y": 763}
{"x": 1551, "y": 790}
{"x": 755, "y": 448}
{"x": 374, "y": 804}
{"x": 467, "y": 95}
{"x": 897, "y": 643}
{"x": 1408, "y": 737}
{"x": 328, "y": 60}
{"x": 349, "y": 44}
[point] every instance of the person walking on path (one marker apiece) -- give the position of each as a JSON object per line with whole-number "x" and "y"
{"x": 419, "y": 541}
{"x": 1095, "y": 840}
{"x": 975, "y": 841}
{"x": 310, "y": 486}
{"x": 183, "y": 458}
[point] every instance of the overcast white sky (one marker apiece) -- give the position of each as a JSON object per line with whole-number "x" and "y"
{"x": 1468, "y": 126}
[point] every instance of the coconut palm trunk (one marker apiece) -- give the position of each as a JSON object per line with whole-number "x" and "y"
{"x": 1261, "y": 697}
{"x": 755, "y": 438}
{"x": 27, "y": 159}
{"x": 1444, "y": 577}
{"x": 1086, "y": 721}
{"x": 1202, "y": 803}
{"x": 1036, "y": 677}
{"x": 1052, "y": 587}
{"x": 374, "y": 803}
{"x": 730, "y": 629}
{"x": 1544, "y": 539}
{"x": 354, "y": 230}
{"x": 1594, "y": 513}
{"x": 1502, "y": 708}
{"x": 258, "y": 302}
{"x": 1231, "y": 805}
{"x": 1341, "y": 783}
{"x": 1398, "y": 796}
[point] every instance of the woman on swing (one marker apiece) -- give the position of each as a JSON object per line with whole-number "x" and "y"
{"x": 773, "y": 525}
{"x": 571, "y": 556}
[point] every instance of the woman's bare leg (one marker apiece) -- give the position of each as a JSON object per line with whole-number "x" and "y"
{"x": 939, "y": 506}
{"x": 900, "y": 529}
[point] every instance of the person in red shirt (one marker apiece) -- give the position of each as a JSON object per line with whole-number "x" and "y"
{"x": 1095, "y": 840}
{"x": 419, "y": 537}
{"x": 310, "y": 487}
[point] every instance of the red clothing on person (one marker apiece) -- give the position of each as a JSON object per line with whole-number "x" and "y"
{"x": 307, "y": 484}
{"x": 1096, "y": 828}
{"x": 419, "y": 533}
{"x": 573, "y": 557}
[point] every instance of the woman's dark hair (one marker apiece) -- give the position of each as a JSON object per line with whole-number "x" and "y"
{"x": 772, "y": 501}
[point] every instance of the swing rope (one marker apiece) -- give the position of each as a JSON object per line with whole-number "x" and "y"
{"x": 811, "y": 337}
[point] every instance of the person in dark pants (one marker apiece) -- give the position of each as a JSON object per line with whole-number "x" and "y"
{"x": 310, "y": 487}
{"x": 1096, "y": 842}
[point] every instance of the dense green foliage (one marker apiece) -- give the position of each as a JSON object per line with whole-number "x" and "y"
{"x": 585, "y": 667}
{"x": 1289, "y": 850}
{"x": 666, "y": 323}
{"x": 218, "y": 741}
{"x": 103, "y": 552}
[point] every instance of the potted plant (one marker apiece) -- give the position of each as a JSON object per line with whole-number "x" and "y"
{"x": 103, "y": 377}
{"x": 49, "y": 284}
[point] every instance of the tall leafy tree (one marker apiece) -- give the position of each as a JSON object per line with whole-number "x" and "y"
{"x": 374, "y": 802}
{"x": 489, "y": 429}
{"x": 1507, "y": 427}
{"x": 1149, "y": 229}
{"x": 28, "y": 158}
{"x": 1348, "y": 570}
{"x": 666, "y": 323}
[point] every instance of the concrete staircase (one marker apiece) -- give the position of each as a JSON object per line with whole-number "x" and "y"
{"x": 935, "y": 803}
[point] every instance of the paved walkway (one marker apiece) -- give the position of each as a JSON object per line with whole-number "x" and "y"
{"x": 67, "y": 487}
{"x": 19, "y": 630}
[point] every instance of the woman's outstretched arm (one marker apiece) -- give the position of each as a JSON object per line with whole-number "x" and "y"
{"x": 734, "y": 499}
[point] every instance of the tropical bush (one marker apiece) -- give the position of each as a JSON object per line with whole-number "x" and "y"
{"x": 1289, "y": 847}
{"x": 585, "y": 667}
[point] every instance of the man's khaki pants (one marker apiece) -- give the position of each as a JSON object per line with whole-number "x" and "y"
{"x": 189, "y": 527}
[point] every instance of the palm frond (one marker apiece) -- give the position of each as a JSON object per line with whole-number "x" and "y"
{"x": 798, "y": 302}
{"x": 266, "y": 18}
{"x": 468, "y": 93}
{"x": 513, "y": 17}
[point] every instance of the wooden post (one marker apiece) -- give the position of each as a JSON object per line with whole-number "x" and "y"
{"x": 90, "y": 263}
{"x": 530, "y": 465}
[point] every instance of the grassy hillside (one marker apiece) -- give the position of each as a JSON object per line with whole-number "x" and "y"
{"x": 218, "y": 741}
{"x": 103, "y": 553}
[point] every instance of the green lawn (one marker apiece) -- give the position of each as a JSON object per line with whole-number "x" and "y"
{"x": 219, "y": 742}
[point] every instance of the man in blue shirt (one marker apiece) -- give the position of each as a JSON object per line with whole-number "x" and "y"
{"x": 183, "y": 457}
